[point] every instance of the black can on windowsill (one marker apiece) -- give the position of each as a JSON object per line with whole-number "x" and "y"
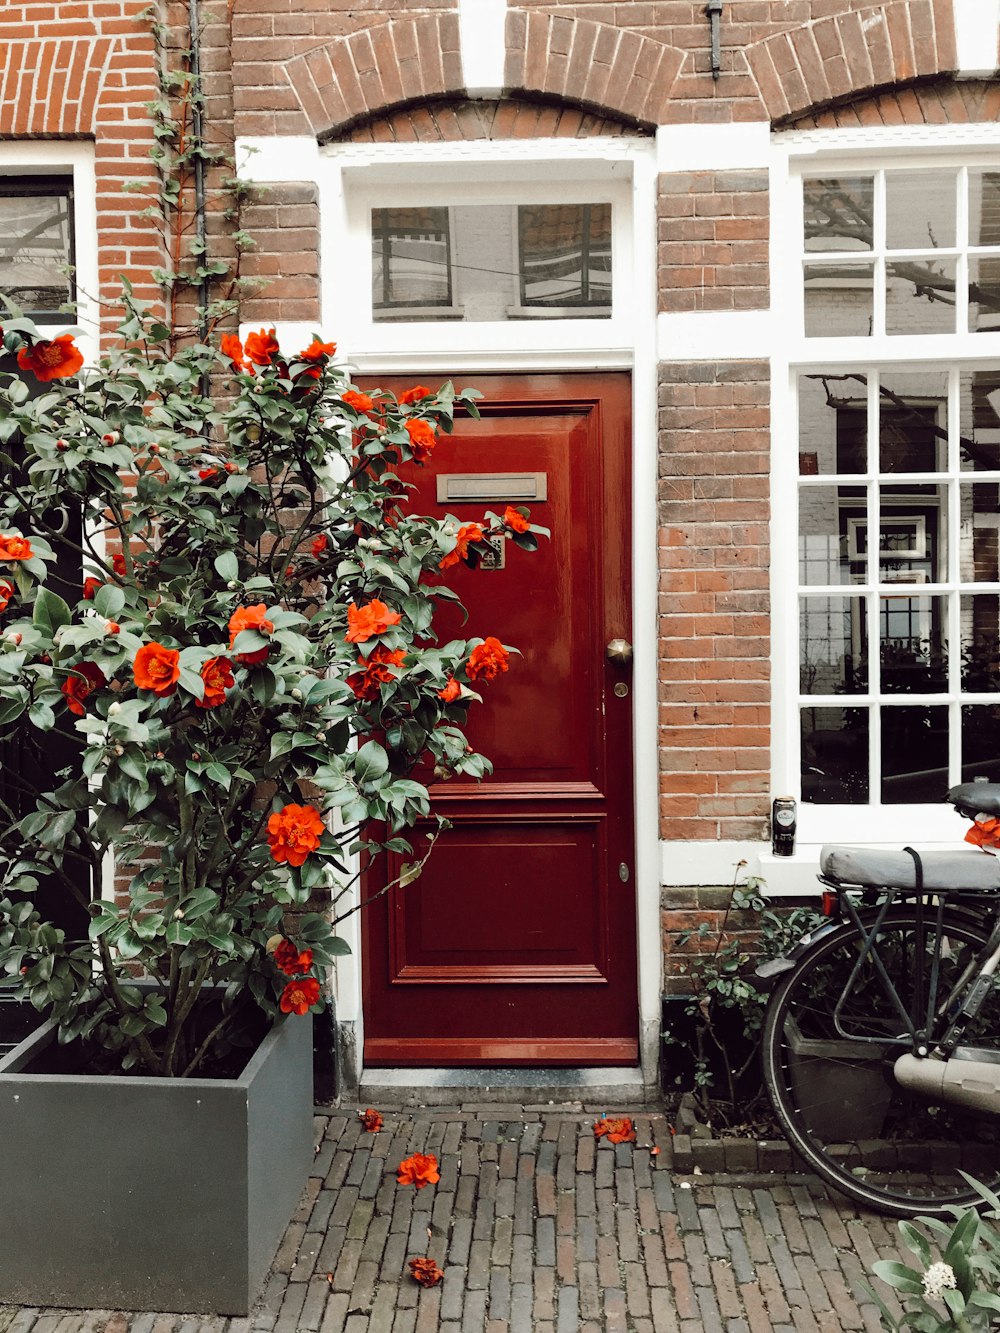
{"x": 783, "y": 823}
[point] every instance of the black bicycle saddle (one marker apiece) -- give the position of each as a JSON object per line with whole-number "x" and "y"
{"x": 976, "y": 798}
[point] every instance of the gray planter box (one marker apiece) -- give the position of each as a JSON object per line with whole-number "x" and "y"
{"x": 151, "y": 1194}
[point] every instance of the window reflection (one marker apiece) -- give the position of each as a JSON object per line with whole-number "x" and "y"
{"x": 35, "y": 246}
{"x": 914, "y": 754}
{"x": 826, "y": 555}
{"x": 835, "y": 756}
{"x": 980, "y": 630}
{"x": 833, "y": 648}
{"x": 838, "y": 212}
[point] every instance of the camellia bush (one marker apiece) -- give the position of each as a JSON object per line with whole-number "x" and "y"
{"x": 219, "y": 611}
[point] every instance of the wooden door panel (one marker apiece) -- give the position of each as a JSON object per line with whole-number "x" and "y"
{"x": 517, "y": 944}
{"x": 451, "y": 937}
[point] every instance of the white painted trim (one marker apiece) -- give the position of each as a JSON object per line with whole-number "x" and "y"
{"x": 834, "y": 144}
{"x": 977, "y": 23}
{"x": 724, "y": 147}
{"x": 349, "y": 176}
{"x": 72, "y": 158}
{"x": 711, "y": 335}
{"x": 481, "y": 25}
{"x": 290, "y": 157}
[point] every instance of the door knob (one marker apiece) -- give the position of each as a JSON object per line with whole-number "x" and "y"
{"x": 619, "y": 651}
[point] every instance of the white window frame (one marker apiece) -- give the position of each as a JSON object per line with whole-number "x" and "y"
{"x": 847, "y": 152}
{"x": 75, "y": 160}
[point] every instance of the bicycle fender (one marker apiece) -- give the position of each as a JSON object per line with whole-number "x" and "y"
{"x": 771, "y": 970}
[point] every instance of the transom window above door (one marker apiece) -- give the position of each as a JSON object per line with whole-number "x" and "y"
{"x": 490, "y": 262}
{"x": 36, "y": 245}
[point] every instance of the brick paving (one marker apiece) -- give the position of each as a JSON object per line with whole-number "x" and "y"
{"x": 541, "y": 1229}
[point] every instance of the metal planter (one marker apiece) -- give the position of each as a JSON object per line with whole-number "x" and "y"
{"x": 150, "y": 1194}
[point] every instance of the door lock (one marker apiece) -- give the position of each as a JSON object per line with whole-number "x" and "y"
{"x": 619, "y": 651}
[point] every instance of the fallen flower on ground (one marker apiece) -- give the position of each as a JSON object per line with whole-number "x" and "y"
{"x": 421, "y": 1169}
{"x": 621, "y": 1130}
{"x": 371, "y": 1119}
{"x": 426, "y": 1272}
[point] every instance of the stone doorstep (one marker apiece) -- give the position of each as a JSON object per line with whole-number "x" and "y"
{"x": 545, "y": 1088}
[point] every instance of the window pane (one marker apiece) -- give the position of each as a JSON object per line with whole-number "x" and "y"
{"x": 913, "y": 430}
{"x": 980, "y": 518}
{"x": 838, "y": 212}
{"x": 984, "y": 207}
{"x": 920, "y": 295}
{"x": 833, "y": 424}
{"x": 980, "y": 618}
{"x": 913, "y": 546}
{"x": 411, "y": 264}
{"x": 565, "y": 254}
{"x": 979, "y": 432}
{"x": 920, "y": 209}
{"x": 913, "y": 645}
{"x": 34, "y": 247}
{"x": 838, "y": 300}
{"x": 980, "y": 742}
{"x": 833, "y": 648}
{"x": 835, "y": 756}
{"x": 492, "y": 262}
{"x": 984, "y": 295}
{"x": 914, "y": 754}
{"x": 825, "y": 515}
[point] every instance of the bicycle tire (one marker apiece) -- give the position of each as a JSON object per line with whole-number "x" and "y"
{"x": 835, "y": 1095}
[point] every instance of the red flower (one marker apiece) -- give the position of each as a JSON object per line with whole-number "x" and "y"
{"x": 371, "y": 1120}
{"x": 261, "y": 348}
{"x": 422, "y": 438}
{"x": 421, "y": 1169}
{"x": 319, "y": 545}
{"x": 366, "y": 684}
{"x": 288, "y": 959}
{"x": 413, "y": 395}
{"x": 90, "y": 586}
{"x": 217, "y": 673}
{"x": 232, "y": 347}
{"x": 469, "y": 532}
{"x": 984, "y": 833}
{"x": 365, "y": 621}
{"x": 293, "y": 832}
{"x": 112, "y": 627}
{"x": 316, "y": 351}
{"x": 206, "y": 473}
{"x": 616, "y": 1131}
{"x": 299, "y": 996}
{"x": 157, "y": 668}
{"x": 53, "y": 360}
{"x": 487, "y": 661}
{"x": 250, "y": 617}
{"x": 451, "y": 691}
{"x": 85, "y": 678}
{"x": 515, "y": 520}
{"x": 6, "y": 593}
{"x": 15, "y": 548}
{"x": 426, "y": 1272}
{"x": 118, "y": 565}
{"x": 359, "y": 401}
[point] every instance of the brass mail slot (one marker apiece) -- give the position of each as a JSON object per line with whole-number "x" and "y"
{"x": 453, "y": 487}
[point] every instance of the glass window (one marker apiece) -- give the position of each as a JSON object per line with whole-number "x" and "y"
{"x": 492, "y": 262}
{"x": 36, "y": 245}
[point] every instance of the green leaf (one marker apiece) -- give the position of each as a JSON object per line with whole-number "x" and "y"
{"x": 899, "y": 1276}
{"x": 50, "y": 612}
{"x": 916, "y": 1241}
{"x": 13, "y": 705}
{"x": 370, "y": 763}
{"x": 220, "y": 774}
{"x": 41, "y": 715}
{"x": 227, "y": 566}
{"x": 109, "y": 600}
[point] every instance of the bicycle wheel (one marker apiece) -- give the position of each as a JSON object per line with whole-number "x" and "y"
{"x": 832, "y": 1086}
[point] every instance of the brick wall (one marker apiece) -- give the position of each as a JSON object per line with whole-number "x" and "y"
{"x": 714, "y": 628}
{"x": 284, "y": 222}
{"x": 712, "y": 233}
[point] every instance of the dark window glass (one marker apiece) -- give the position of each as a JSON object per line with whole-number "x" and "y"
{"x": 835, "y": 756}
{"x": 36, "y": 245}
{"x": 565, "y": 254}
{"x": 914, "y": 754}
{"x": 411, "y": 258}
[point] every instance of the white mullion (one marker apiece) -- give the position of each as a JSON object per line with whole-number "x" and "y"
{"x": 962, "y": 241}
{"x": 878, "y": 243}
{"x": 954, "y": 604}
{"x": 873, "y": 600}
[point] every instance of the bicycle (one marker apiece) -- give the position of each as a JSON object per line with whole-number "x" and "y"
{"x": 881, "y": 1041}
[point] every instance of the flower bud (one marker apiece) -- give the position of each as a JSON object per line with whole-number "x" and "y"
{"x": 13, "y": 637}
{"x": 232, "y": 584}
{"x": 296, "y": 694}
{"x": 119, "y": 750}
{"x": 154, "y": 448}
{"x": 112, "y": 437}
{"x": 112, "y": 627}
{"x": 178, "y": 914}
{"x": 61, "y": 445}
{"x": 114, "y": 709}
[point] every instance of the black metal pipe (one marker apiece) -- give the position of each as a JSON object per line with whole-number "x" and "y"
{"x": 197, "y": 131}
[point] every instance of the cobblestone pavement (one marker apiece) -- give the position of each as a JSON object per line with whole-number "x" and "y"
{"x": 541, "y": 1229}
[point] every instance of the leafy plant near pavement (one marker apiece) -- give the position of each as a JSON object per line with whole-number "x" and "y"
{"x": 249, "y": 665}
{"x": 726, "y": 1007}
{"x": 957, "y": 1285}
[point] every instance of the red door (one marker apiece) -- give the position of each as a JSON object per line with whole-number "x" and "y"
{"x": 517, "y": 945}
